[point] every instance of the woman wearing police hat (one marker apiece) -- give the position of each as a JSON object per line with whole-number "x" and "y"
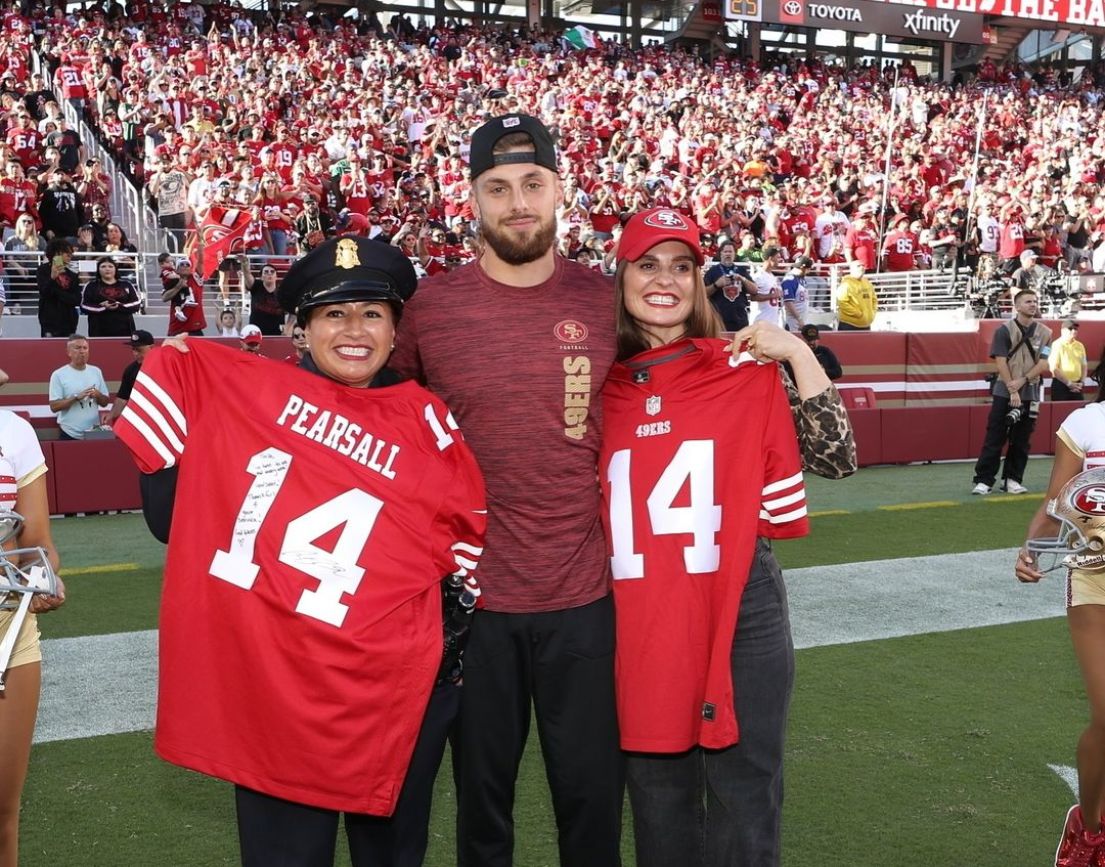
{"x": 311, "y": 616}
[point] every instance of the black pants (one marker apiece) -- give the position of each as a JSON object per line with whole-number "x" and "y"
{"x": 276, "y": 833}
{"x": 997, "y": 433}
{"x": 844, "y": 326}
{"x": 1059, "y": 391}
{"x": 561, "y": 663}
{"x": 724, "y": 808}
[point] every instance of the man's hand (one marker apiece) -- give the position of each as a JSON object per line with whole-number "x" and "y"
{"x": 177, "y": 342}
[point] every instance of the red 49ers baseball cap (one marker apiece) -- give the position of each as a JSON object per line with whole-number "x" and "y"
{"x": 649, "y": 228}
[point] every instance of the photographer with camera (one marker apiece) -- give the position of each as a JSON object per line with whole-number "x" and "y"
{"x": 1020, "y": 349}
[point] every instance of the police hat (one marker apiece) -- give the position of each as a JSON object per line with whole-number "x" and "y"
{"x": 348, "y": 268}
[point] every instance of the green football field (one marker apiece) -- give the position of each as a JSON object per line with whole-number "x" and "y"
{"x": 936, "y": 708}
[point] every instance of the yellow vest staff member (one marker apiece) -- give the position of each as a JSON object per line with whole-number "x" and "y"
{"x": 1068, "y": 364}
{"x": 856, "y": 301}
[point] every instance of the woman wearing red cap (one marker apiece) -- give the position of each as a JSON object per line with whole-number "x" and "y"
{"x": 700, "y": 466}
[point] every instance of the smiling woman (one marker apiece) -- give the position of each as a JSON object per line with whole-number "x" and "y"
{"x": 700, "y": 467}
{"x": 348, "y": 512}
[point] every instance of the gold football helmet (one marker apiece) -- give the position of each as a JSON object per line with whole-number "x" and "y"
{"x": 1080, "y": 510}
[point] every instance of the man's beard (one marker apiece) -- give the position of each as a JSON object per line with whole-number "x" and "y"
{"x": 529, "y": 248}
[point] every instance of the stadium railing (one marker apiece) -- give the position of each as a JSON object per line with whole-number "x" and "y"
{"x": 21, "y": 284}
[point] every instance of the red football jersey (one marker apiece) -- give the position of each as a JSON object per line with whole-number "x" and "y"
{"x": 301, "y": 621}
{"x": 697, "y": 460}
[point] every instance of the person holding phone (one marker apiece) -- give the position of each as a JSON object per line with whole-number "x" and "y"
{"x": 59, "y": 291}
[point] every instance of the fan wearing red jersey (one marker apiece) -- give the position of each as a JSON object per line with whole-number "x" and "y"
{"x": 303, "y": 583}
{"x": 699, "y": 466}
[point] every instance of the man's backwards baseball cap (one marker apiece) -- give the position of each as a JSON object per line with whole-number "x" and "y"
{"x": 649, "y": 228}
{"x": 482, "y": 156}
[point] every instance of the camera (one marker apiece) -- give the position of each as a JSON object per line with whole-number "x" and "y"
{"x": 1018, "y": 412}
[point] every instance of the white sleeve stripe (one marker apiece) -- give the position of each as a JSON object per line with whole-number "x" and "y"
{"x": 785, "y": 501}
{"x": 166, "y": 401}
{"x": 775, "y": 487}
{"x": 785, "y": 518}
{"x": 149, "y": 436}
{"x": 461, "y": 571}
{"x": 158, "y": 419}
{"x": 465, "y": 562}
{"x": 466, "y": 548}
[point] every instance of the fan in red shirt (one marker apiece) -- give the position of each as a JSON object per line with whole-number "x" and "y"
{"x": 24, "y": 140}
{"x": 1011, "y": 234}
{"x": 861, "y": 242}
{"x": 900, "y": 246}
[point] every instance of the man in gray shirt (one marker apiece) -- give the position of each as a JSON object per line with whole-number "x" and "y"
{"x": 77, "y": 391}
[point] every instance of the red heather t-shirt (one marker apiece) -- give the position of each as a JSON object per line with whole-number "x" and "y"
{"x": 521, "y": 369}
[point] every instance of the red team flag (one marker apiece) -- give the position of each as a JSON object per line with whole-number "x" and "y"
{"x": 225, "y": 231}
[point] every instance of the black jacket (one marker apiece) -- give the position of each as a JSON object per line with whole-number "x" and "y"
{"x": 58, "y": 300}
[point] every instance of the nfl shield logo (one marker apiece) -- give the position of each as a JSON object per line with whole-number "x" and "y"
{"x": 652, "y": 405}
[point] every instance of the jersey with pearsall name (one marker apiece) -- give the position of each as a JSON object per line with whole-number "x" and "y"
{"x": 300, "y": 631}
{"x": 699, "y": 456}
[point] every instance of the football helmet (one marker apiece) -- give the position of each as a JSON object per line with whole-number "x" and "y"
{"x": 22, "y": 570}
{"x": 1080, "y": 510}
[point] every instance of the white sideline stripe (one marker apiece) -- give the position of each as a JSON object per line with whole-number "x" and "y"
{"x": 853, "y": 602}
{"x": 97, "y": 685}
{"x": 1069, "y": 776}
{"x": 107, "y": 684}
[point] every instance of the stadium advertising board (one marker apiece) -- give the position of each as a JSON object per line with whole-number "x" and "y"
{"x": 865, "y": 16}
{"x": 1078, "y": 13}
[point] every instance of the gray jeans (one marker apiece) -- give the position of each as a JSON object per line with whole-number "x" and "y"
{"x": 723, "y": 808}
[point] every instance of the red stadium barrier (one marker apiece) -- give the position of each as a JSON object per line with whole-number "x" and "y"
{"x": 867, "y": 429}
{"x": 94, "y": 476}
{"x": 925, "y": 394}
{"x": 935, "y": 433}
{"x": 29, "y": 363}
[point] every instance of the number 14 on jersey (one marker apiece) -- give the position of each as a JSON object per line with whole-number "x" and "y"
{"x": 691, "y": 466}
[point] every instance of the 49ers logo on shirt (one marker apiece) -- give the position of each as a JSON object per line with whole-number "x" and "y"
{"x": 570, "y": 331}
{"x": 1090, "y": 500}
{"x": 667, "y": 220}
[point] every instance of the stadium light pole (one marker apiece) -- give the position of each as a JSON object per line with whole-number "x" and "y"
{"x": 974, "y": 164}
{"x": 886, "y": 170}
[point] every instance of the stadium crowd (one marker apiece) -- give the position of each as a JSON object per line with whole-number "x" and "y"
{"x": 293, "y": 130}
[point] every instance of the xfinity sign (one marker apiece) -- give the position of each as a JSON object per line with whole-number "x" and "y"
{"x": 923, "y": 21}
{"x": 889, "y": 19}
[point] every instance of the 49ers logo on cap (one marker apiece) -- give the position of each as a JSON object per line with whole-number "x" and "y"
{"x": 666, "y": 220}
{"x": 570, "y": 331}
{"x": 1090, "y": 500}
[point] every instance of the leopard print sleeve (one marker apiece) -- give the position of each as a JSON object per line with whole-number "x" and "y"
{"x": 824, "y": 432}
